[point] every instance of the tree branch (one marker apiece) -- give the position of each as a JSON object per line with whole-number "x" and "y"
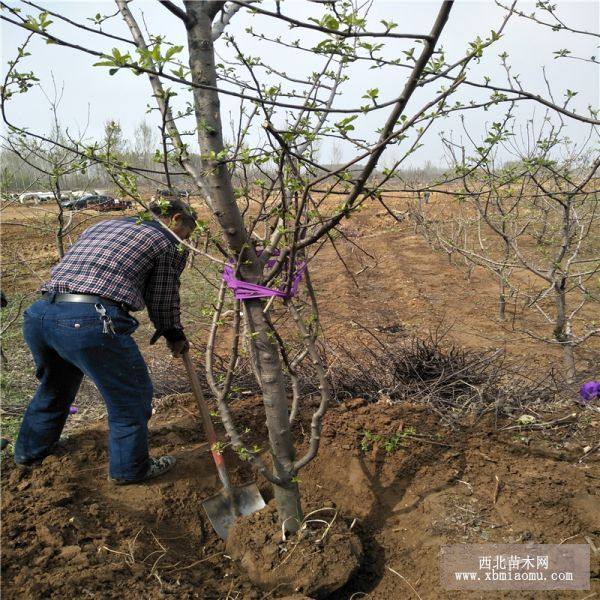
{"x": 178, "y": 12}
{"x": 225, "y": 17}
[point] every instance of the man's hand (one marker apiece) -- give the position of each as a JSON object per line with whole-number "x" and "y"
{"x": 178, "y": 348}
{"x": 175, "y": 338}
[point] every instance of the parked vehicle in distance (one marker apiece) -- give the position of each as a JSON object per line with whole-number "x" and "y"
{"x": 96, "y": 202}
{"x": 112, "y": 204}
{"x": 36, "y": 197}
{"x": 39, "y": 197}
{"x": 80, "y": 193}
{"x": 84, "y": 201}
{"x": 172, "y": 193}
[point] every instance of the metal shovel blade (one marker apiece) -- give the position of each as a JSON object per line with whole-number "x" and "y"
{"x": 222, "y": 512}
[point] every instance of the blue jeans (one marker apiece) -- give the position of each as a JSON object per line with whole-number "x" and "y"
{"x": 67, "y": 341}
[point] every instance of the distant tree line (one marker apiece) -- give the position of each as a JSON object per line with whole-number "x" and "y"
{"x": 23, "y": 162}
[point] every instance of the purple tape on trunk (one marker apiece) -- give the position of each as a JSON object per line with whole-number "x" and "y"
{"x": 243, "y": 290}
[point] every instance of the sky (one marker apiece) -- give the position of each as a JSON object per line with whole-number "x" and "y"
{"x": 90, "y": 96}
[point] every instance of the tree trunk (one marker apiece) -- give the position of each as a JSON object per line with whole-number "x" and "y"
{"x": 502, "y": 301}
{"x": 272, "y": 382}
{"x": 60, "y": 230}
{"x": 60, "y": 244}
{"x": 225, "y": 209}
{"x": 569, "y": 362}
{"x": 562, "y": 329}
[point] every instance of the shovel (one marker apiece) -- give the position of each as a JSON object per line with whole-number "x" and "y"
{"x": 233, "y": 501}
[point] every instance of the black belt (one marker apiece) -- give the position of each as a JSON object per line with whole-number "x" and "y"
{"x": 84, "y": 298}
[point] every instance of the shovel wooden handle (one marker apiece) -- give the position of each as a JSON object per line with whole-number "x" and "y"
{"x": 211, "y": 436}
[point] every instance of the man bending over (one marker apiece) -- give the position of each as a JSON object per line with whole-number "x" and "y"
{"x": 82, "y": 326}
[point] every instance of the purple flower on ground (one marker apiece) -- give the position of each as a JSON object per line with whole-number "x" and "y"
{"x": 73, "y": 410}
{"x": 590, "y": 390}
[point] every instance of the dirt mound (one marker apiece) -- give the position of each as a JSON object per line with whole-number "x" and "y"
{"x": 412, "y": 483}
{"x": 80, "y": 536}
{"x": 317, "y": 561}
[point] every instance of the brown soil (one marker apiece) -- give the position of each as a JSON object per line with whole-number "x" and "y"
{"x": 317, "y": 561}
{"x": 396, "y": 285}
{"x": 68, "y": 533}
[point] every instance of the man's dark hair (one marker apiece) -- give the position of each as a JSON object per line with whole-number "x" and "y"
{"x": 168, "y": 207}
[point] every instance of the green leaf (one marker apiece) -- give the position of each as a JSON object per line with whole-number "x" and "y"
{"x": 409, "y": 53}
{"x": 389, "y": 25}
{"x": 330, "y": 22}
{"x": 562, "y": 53}
{"x": 372, "y": 93}
{"x": 172, "y": 52}
{"x": 345, "y": 124}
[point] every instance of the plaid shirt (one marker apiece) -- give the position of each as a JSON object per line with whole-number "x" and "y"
{"x": 126, "y": 261}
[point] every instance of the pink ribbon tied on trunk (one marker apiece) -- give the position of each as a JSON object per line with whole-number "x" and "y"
{"x": 244, "y": 290}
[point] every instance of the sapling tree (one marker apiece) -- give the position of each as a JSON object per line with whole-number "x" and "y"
{"x": 531, "y": 222}
{"x": 53, "y": 162}
{"x": 273, "y": 204}
{"x": 459, "y": 228}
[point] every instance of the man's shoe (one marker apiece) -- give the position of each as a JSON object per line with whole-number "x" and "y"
{"x": 57, "y": 448}
{"x": 156, "y": 468}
